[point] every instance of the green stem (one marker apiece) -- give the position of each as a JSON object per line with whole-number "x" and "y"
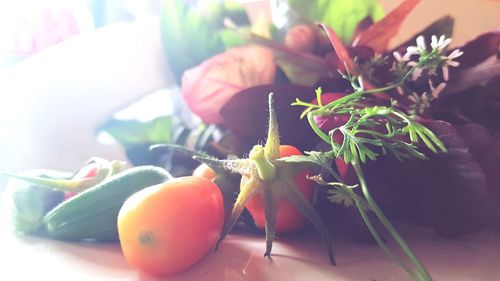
{"x": 371, "y": 91}
{"x": 272, "y": 147}
{"x": 333, "y": 104}
{"x": 316, "y": 129}
{"x": 265, "y": 168}
{"x": 379, "y": 240}
{"x": 424, "y": 274}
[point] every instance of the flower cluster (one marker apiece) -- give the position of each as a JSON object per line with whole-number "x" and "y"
{"x": 429, "y": 61}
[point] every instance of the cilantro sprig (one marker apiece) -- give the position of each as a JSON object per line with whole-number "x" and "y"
{"x": 374, "y": 130}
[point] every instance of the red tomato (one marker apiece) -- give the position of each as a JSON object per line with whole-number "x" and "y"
{"x": 288, "y": 218}
{"x": 168, "y": 227}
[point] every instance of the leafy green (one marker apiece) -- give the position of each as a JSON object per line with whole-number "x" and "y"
{"x": 343, "y": 16}
{"x": 105, "y": 169}
{"x": 382, "y": 127}
{"x": 190, "y": 37}
{"x": 132, "y": 132}
{"x": 26, "y": 204}
{"x": 372, "y": 130}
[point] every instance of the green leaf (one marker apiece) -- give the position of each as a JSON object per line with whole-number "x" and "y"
{"x": 342, "y": 193}
{"x": 191, "y": 33}
{"x": 340, "y": 196}
{"x": 105, "y": 169}
{"x": 25, "y": 204}
{"x": 343, "y": 16}
{"x": 132, "y": 132}
{"x": 298, "y": 163}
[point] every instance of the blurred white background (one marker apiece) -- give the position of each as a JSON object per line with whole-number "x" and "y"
{"x": 79, "y": 61}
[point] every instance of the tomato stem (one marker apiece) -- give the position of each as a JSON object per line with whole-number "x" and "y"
{"x": 272, "y": 147}
{"x": 266, "y": 169}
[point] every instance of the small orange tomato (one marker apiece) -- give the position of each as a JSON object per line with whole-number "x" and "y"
{"x": 204, "y": 171}
{"x": 168, "y": 227}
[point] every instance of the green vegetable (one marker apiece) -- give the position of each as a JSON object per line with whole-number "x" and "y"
{"x": 92, "y": 214}
{"x": 26, "y": 204}
{"x": 375, "y": 130}
{"x": 342, "y": 16}
{"x": 193, "y": 32}
{"x": 104, "y": 168}
{"x": 134, "y": 132}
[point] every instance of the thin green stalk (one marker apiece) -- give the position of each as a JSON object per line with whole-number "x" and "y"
{"x": 424, "y": 274}
{"x": 380, "y": 242}
{"x": 316, "y": 129}
{"x": 371, "y": 91}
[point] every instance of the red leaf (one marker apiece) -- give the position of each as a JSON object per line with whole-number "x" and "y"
{"x": 379, "y": 34}
{"x": 362, "y": 27}
{"x": 208, "y": 86}
{"x": 345, "y": 58}
{"x": 340, "y": 49}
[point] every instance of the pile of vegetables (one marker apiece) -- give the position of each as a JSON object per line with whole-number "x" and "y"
{"x": 287, "y": 112}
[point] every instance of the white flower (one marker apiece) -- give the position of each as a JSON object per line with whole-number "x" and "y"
{"x": 414, "y": 97}
{"x": 399, "y": 58}
{"x": 421, "y": 43}
{"x": 410, "y": 51}
{"x": 450, "y": 58}
{"x": 436, "y": 91}
{"x": 440, "y": 44}
{"x": 412, "y": 63}
{"x": 416, "y": 73}
{"x": 446, "y": 72}
{"x": 420, "y": 48}
{"x": 400, "y": 90}
{"x": 420, "y": 102}
{"x": 449, "y": 61}
{"x": 415, "y": 50}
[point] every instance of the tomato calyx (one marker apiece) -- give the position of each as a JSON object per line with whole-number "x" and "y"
{"x": 264, "y": 173}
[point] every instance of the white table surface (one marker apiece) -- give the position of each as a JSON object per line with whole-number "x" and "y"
{"x": 299, "y": 257}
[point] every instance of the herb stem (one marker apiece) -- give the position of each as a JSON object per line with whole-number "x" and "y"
{"x": 379, "y": 240}
{"x": 314, "y": 126}
{"x": 424, "y": 274}
{"x": 265, "y": 168}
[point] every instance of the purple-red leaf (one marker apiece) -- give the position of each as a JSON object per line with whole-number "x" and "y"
{"x": 451, "y": 191}
{"x": 457, "y": 199}
{"x": 479, "y": 63}
{"x": 246, "y": 115}
{"x": 486, "y": 150}
{"x": 479, "y": 49}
